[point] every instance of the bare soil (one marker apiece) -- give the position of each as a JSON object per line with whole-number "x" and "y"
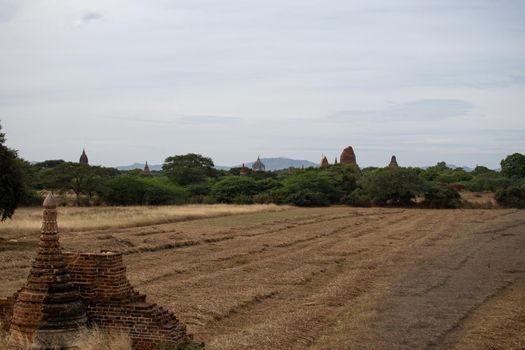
{"x": 328, "y": 278}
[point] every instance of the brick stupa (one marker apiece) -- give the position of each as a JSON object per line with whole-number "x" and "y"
{"x": 66, "y": 291}
{"x": 48, "y": 311}
{"x": 348, "y": 156}
{"x": 324, "y": 162}
{"x": 393, "y": 163}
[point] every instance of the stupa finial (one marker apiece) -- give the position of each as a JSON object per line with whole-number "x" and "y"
{"x": 50, "y": 202}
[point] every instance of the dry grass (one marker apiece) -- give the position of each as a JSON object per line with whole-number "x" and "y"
{"x": 28, "y": 220}
{"x": 319, "y": 278}
{"x": 91, "y": 339}
{"x": 483, "y": 200}
{"x": 95, "y": 339}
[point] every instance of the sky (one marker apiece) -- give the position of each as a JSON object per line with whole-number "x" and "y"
{"x": 135, "y": 81}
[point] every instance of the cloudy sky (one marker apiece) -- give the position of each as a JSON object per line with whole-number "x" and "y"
{"x": 141, "y": 80}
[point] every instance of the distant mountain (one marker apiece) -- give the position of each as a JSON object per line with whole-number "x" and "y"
{"x": 152, "y": 167}
{"x": 283, "y": 163}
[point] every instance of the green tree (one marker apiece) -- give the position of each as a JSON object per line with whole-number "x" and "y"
{"x": 482, "y": 170}
{"x": 513, "y": 166}
{"x": 399, "y": 186}
{"x": 11, "y": 180}
{"x": 143, "y": 190}
{"x": 432, "y": 172}
{"x": 188, "y": 169}
{"x": 75, "y": 177}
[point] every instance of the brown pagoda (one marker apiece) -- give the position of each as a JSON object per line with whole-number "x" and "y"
{"x": 393, "y": 163}
{"x": 348, "y": 156}
{"x": 84, "y": 158}
{"x": 146, "y": 170}
{"x": 48, "y": 312}
{"x": 324, "y": 162}
{"x": 258, "y": 165}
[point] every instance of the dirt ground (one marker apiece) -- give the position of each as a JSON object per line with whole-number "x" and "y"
{"x": 329, "y": 278}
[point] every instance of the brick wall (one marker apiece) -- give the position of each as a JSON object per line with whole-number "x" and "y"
{"x": 113, "y": 304}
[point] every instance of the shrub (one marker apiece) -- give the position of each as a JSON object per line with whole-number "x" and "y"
{"x": 441, "y": 197}
{"x": 358, "y": 198}
{"x": 307, "y": 198}
{"x": 229, "y": 188}
{"x": 512, "y": 197}
{"x": 263, "y": 198}
{"x": 141, "y": 190}
{"x": 309, "y": 188}
{"x": 488, "y": 182}
{"x": 398, "y": 186}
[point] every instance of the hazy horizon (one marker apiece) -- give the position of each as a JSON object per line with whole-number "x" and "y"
{"x": 134, "y": 81}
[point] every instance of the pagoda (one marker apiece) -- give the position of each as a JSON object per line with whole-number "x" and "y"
{"x": 48, "y": 312}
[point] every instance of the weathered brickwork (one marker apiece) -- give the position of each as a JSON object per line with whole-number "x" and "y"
{"x": 48, "y": 311}
{"x": 348, "y": 156}
{"x": 113, "y": 304}
{"x": 67, "y": 292}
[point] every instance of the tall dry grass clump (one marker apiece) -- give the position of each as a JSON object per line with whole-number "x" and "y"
{"x": 28, "y": 220}
{"x": 91, "y": 339}
{"x": 96, "y": 339}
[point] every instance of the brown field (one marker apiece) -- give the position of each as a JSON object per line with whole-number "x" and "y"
{"x": 327, "y": 278}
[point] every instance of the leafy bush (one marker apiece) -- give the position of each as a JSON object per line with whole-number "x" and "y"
{"x": 398, "y": 186}
{"x": 441, "y": 197}
{"x": 358, "y": 198}
{"x": 488, "y": 182}
{"x": 512, "y": 197}
{"x": 140, "y": 190}
{"x": 307, "y": 198}
{"x": 452, "y": 176}
{"x": 309, "y": 188}
{"x": 227, "y": 189}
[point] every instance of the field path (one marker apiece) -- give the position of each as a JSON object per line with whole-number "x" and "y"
{"x": 328, "y": 278}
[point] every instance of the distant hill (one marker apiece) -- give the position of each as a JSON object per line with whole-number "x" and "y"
{"x": 283, "y": 163}
{"x": 152, "y": 167}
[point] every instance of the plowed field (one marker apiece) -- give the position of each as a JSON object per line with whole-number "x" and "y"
{"x": 331, "y": 278}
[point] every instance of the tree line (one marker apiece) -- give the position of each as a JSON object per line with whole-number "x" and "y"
{"x": 192, "y": 178}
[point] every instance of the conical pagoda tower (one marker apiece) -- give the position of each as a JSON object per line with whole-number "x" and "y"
{"x": 48, "y": 312}
{"x": 84, "y": 158}
{"x": 146, "y": 170}
{"x": 324, "y": 162}
{"x": 348, "y": 156}
{"x": 393, "y": 163}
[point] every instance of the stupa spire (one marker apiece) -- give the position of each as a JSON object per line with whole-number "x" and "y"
{"x": 393, "y": 162}
{"x": 83, "y": 158}
{"x": 146, "y": 169}
{"x": 48, "y": 312}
